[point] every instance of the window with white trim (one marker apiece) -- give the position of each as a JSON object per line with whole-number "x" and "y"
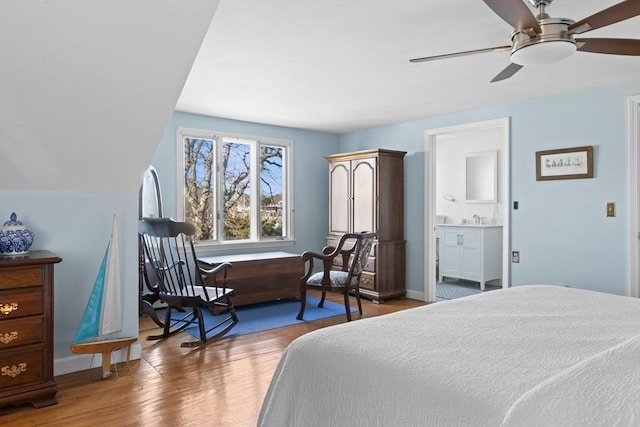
{"x": 235, "y": 189}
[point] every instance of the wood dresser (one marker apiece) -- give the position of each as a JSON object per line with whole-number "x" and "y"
{"x": 260, "y": 277}
{"x": 26, "y": 329}
{"x": 366, "y": 193}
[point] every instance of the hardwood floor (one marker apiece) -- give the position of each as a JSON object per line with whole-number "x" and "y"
{"x": 221, "y": 384}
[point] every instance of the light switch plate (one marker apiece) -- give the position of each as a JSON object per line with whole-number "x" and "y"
{"x": 611, "y": 209}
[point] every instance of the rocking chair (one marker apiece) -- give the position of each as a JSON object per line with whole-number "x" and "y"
{"x": 352, "y": 262}
{"x": 171, "y": 255}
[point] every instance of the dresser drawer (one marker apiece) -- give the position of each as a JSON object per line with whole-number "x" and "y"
{"x": 21, "y": 366}
{"x": 26, "y": 329}
{"x": 17, "y": 332}
{"x": 20, "y": 303}
{"x": 21, "y": 277}
{"x": 368, "y": 281}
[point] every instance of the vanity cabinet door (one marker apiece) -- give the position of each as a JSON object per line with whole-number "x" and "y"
{"x": 471, "y": 253}
{"x": 449, "y": 253}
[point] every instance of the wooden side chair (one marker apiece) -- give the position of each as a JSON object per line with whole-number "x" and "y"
{"x": 169, "y": 251}
{"x": 353, "y": 250}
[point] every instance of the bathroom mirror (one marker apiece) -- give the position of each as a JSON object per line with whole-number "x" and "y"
{"x": 481, "y": 177}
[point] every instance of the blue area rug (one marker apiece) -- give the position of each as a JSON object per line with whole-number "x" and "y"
{"x": 271, "y": 315}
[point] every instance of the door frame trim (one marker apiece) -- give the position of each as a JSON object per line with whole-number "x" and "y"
{"x": 430, "y": 139}
{"x": 633, "y": 150}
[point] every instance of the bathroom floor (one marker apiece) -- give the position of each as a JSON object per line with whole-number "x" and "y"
{"x": 453, "y": 288}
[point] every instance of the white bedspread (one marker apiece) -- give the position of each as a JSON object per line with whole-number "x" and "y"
{"x": 530, "y": 355}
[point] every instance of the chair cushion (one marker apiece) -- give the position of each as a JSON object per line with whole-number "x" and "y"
{"x": 338, "y": 278}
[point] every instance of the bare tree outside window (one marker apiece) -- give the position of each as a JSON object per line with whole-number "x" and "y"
{"x": 271, "y": 202}
{"x": 236, "y": 168}
{"x": 199, "y": 165}
{"x": 238, "y": 180}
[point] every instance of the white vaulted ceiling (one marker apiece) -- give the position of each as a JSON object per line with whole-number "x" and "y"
{"x": 341, "y": 65}
{"x": 87, "y": 87}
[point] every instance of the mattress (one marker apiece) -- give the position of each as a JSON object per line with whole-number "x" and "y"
{"x": 529, "y": 355}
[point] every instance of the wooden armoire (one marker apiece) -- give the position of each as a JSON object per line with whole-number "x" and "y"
{"x": 366, "y": 193}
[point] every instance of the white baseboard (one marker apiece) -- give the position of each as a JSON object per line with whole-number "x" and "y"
{"x": 415, "y": 295}
{"x": 82, "y": 362}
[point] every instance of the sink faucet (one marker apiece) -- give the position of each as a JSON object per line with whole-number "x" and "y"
{"x": 476, "y": 219}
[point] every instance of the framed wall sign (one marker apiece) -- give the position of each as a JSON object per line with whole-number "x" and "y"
{"x": 566, "y": 163}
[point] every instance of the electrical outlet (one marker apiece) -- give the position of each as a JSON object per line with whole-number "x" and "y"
{"x": 611, "y": 209}
{"x": 515, "y": 256}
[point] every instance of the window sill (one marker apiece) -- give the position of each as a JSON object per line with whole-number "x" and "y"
{"x": 220, "y": 247}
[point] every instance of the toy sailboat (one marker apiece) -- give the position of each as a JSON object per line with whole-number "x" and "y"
{"x": 102, "y": 315}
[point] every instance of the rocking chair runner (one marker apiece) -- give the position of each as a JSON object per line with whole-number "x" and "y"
{"x": 169, "y": 251}
{"x": 353, "y": 261}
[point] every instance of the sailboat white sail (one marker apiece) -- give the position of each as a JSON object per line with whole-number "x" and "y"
{"x": 102, "y": 317}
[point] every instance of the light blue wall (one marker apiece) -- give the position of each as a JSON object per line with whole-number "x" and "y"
{"x": 76, "y": 227}
{"x": 311, "y": 188}
{"x": 560, "y": 228}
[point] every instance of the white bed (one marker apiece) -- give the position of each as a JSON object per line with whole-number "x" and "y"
{"x": 525, "y": 356}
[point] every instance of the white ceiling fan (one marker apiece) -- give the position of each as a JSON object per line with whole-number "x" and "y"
{"x": 541, "y": 39}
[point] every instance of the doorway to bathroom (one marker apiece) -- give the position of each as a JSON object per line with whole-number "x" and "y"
{"x": 467, "y": 209}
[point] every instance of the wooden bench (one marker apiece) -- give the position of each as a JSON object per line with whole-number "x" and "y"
{"x": 260, "y": 277}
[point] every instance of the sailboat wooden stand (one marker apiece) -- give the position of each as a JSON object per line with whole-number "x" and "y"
{"x": 102, "y": 315}
{"x": 105, "y": 348}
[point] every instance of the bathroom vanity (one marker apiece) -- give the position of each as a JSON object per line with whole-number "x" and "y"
{"x": 470, "y": 252}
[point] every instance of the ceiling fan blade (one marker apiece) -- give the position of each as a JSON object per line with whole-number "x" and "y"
{"x": 610, "y": 46}
{"x": 515, "y": 13}
{"x": 616, "y": 13}
{"x": 507, "y": 72}
{"x": 467, "y": 52}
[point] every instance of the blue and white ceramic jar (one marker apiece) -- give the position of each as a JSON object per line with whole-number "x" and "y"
{"x": 15, "y": 239}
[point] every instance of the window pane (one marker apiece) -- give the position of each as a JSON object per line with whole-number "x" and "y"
{"x": 235, "y": 187}
{"x": 271, "y": 191}
{"x": 236, "y": 166}
{"x": 199, "y": 173}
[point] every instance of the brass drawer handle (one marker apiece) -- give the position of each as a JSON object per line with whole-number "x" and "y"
{"x": 365, "y": 281}
{"x": 7, "y": 337}
{"x": 14, "y": 371}
{"x": 8, "y": 308}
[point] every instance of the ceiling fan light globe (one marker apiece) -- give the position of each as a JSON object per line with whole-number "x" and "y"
{"x": 543, "y": 53}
